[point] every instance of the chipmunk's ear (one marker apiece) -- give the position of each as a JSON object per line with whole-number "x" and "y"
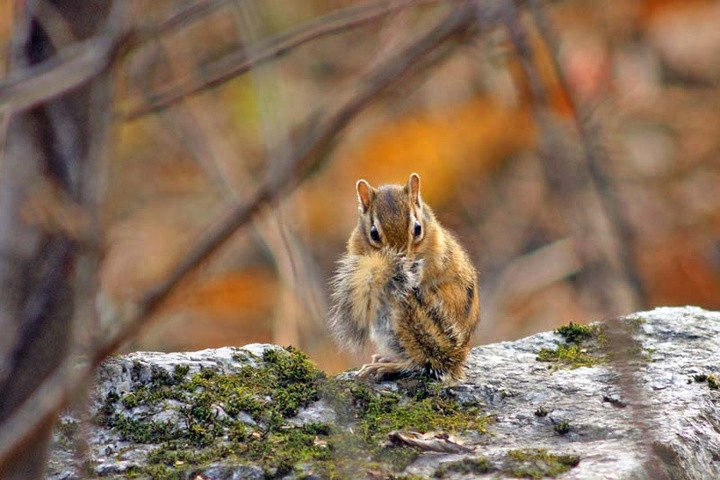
{"x": 364, "y": 193}
{"x": 413, "y": 186}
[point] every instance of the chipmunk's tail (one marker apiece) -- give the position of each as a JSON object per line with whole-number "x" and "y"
{"x": 360, "y": 290}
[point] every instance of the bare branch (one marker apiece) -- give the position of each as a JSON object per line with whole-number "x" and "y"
{"x": 239, "y": 62}
{"x": 72, "y": 67}
{"x": 185, "y": 16}
{"x": 53, "y": 23}
{"x": 195, "y": 124}
{"x": 81, "y": 61}
{"x": 568, "y": 179}
{"x": 594, "y": 153}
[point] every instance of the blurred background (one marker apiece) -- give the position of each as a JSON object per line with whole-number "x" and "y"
{"x": 507, "y": 150}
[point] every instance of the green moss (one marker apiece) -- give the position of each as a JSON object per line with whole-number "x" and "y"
{"x": 466, "y": 466}
{"x": 562, "y": 427}
{"x": 406, "y": 477}
{"x": 142, "y": 431}
{"x": 396, "y": 457}
{"x": 532, "y": 463}
{"x": 156, "y": 472}
{"x": 173, "y": 458}
{"x": 712, "y": 380}
{"x": 130, "y": 401}
{"x": 212, "y": 423}
{"x": 586, "y": 346}
{"x": 577, "y": 333}
{"x": 581, "y": 347}
{"x": 570, "y": 356}
{"x": 66, "y": 431}
{"x": 538, "y": 463}
{"x": 107, "y": 408}
{"x": 634, "y": 323}
{"x": 180, "y": 373}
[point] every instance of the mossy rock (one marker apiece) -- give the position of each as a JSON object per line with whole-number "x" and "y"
{"x": 194, "y": 419}
{"x": 266, "y": 412}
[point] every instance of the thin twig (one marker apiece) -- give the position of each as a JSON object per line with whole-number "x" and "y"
{"x": 80, "y": 62}
{"x": 195, "y": 11}
{"x": 276, "y": 136}
{"x": 566, "y": 178}
{"x": 195, "y": 126}
{"x": 305, "y": 159}
{"x": 594, "y": 153}
{"x": 72, "y": 67}
{"x": 53, "y": 23}
{"x": 239, "y": 62}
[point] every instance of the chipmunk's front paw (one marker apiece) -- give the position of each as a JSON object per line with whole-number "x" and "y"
{"x": 414, "y": 268}
{"x": 406, "y": 275}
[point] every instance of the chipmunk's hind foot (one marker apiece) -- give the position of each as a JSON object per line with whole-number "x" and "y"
{"x": 388, "y": 368}
{"x": 384, "y": 371}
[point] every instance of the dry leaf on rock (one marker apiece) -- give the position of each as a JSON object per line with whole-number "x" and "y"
{"x": 441, "y": 442}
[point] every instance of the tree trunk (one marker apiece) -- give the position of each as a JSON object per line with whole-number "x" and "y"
{"x": 49, "y": 145}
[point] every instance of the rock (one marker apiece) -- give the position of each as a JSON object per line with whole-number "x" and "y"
{"x": 645, "y": 406}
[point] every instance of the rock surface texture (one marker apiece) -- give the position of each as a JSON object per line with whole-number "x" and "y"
{"x": 581, "y": 403}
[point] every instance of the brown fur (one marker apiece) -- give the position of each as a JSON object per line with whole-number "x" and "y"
{"x": 416, "y": 298}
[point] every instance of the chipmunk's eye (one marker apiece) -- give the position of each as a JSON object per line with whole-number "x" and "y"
{"x": 374, "y": 234}
{"x": 418, "y": 229}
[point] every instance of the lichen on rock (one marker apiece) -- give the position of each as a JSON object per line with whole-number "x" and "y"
{"x": 262, "y": 411}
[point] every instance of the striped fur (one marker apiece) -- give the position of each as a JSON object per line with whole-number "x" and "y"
{"x": 414, "y": 296}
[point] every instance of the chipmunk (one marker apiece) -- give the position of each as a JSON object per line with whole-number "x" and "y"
{"x": 406, "y": 284}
